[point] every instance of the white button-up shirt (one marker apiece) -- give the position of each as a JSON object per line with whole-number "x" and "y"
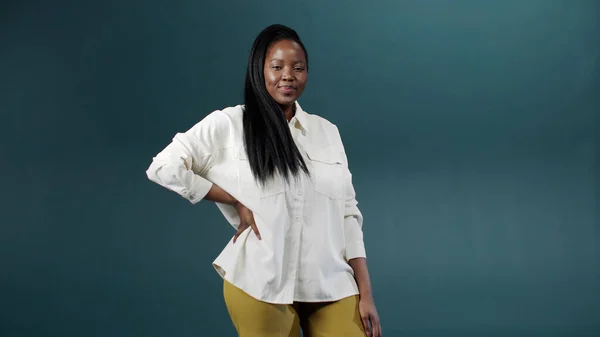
{"x": 310, "y": 227}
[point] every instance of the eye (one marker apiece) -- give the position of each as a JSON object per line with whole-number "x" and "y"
{"x": 299, "y": 68}
{"x": 276, "y": 67}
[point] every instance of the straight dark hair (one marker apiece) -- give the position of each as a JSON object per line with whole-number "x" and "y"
{"x": 268, "y": 142}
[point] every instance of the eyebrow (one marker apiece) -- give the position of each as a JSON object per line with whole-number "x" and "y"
{"x": 277, "y": 59}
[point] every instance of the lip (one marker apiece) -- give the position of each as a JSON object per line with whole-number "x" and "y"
{"x": 287, "y": 88}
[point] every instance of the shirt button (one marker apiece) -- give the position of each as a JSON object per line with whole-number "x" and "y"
{"x": 300, "y": 192}
{"x": 297, "y": 219}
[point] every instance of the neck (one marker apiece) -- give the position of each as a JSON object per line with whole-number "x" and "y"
{"x": 289, "y": 111}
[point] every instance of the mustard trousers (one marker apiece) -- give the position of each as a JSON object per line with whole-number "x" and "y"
{"x": 254, "y": 318}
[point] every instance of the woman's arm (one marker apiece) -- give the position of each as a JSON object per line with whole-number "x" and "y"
{"x": 355, "y": 254}
{"x": 361, "y": 274}
{"x": 366, "y": 305}
{"x": 172, "y": 166}
{"x": 217, "y": 194}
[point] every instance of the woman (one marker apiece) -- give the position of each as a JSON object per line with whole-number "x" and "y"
{"x": 280, "y": 177}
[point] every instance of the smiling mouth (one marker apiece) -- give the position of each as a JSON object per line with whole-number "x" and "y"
{"x": 287, "y": 88}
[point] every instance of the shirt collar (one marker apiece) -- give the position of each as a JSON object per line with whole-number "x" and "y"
{"x": 301, "y": 116}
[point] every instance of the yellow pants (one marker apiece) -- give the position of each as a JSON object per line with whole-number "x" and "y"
{"x": 254, "y": 318}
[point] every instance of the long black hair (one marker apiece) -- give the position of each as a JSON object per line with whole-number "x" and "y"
{"x": 269, "y": 144}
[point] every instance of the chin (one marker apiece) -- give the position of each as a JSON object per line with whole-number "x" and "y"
{"x": 286, "y": 100}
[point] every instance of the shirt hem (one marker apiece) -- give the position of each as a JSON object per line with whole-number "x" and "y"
{"x": 223, "y": 274}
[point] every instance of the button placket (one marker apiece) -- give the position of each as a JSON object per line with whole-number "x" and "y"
{"x": 297, "y": 226}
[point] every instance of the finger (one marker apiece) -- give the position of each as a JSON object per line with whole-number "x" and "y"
{"x": 239, "y": 231}
{"x": 373, "y": 326}
{"x": 376, "y": 327}
{"x": 255, "y": 229}
{"x": 365, "y": 321}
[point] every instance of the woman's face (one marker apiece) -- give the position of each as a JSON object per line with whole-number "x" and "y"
{"x": 285, "y": 71}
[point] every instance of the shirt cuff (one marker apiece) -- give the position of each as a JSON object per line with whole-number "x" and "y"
{"x": 355, "y": 246}
{"x": 355, "y": 249}
{"x": 199, "y": 190}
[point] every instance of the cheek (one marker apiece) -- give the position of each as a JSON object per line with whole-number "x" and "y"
{"x": 302, "y": 83}
{"x": 270, "y": 79}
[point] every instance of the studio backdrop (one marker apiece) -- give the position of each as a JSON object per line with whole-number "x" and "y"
{"x": 470, "y": 127}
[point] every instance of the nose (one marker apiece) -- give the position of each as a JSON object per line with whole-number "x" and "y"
{"x": 288, "y": 75}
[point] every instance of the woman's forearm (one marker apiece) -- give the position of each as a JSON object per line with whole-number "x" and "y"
{"x": 217, "y": 194}
{"x": 361, "y": 274}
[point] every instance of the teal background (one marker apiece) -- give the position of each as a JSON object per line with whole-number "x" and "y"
{"x": 471, "y": 129}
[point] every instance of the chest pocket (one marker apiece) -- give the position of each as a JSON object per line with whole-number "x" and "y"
{"x": 328, "y": 172}
{"x": 248, "y": 186}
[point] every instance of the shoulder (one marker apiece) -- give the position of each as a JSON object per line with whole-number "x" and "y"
{"x": 223, "y": 116}
{"x": 321, "y": 121}
{"x": 326, "y": 128}
{"x": 233, "y": 112}
{"x": 220, "y": 119}
{"x": 220, "y": 127}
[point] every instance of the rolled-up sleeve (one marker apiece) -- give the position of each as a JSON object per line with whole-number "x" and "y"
{"x": 179, "y": 166}
{"x": 353, "y": 218}
{"x": 353, "y": 221}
